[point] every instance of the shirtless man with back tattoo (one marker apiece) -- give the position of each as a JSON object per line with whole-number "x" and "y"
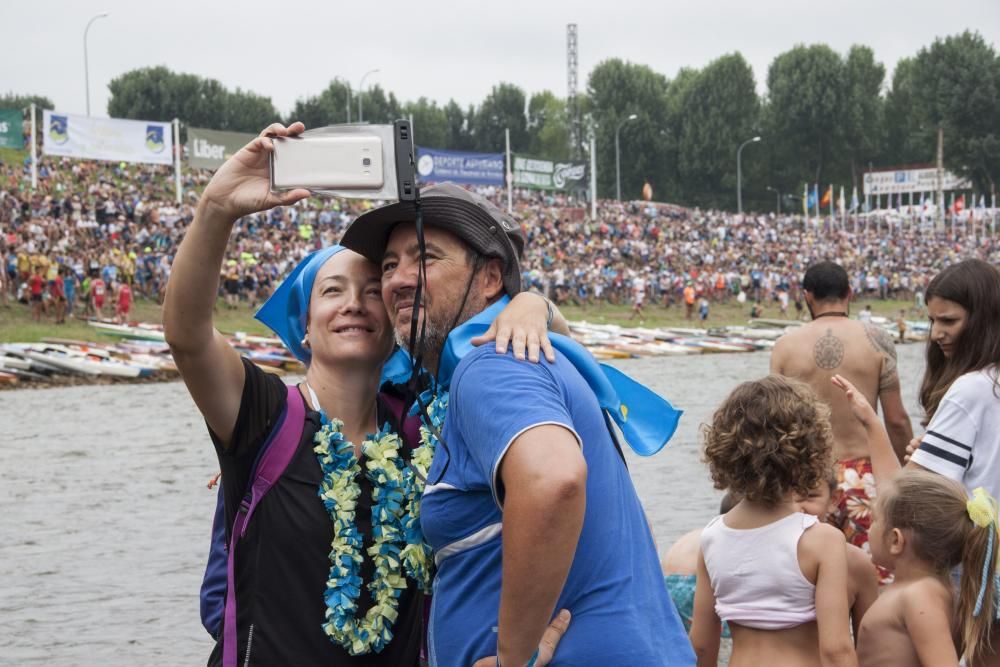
{"x": 864, "y": 353}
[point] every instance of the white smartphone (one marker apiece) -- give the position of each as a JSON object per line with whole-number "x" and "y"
{"x": 327, "y": 162}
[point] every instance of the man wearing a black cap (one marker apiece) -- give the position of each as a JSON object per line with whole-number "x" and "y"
{"x": 528, "y": 506}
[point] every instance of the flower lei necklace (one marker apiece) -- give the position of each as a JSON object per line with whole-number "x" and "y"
{"x": 417, "y": 554}
{"x": 397, "y": 541}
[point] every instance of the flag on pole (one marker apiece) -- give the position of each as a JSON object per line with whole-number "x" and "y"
{"x": 854, "y": 206}
{"x": 816, "y": 197}
{"x": 810, "y": 200}
{"x": 957, "y": 205}
{"x": 993, "y": 218}
{"x": 842, "y": 206}
{"x": 805, "y": 199}
{"x": 827, "y": 197}
{"x": 953, "y": 216}
{"x": 982, "y": 212}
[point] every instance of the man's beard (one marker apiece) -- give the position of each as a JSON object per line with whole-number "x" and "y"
{"x": 436, "y": 330}
{"x": 433, "y": 342}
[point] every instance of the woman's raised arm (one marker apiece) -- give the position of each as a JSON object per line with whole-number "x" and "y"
{"x": 211, "y": 369}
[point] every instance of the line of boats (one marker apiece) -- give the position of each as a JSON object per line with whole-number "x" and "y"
{"x": 139, "y": 351}
{"x": 610, "y": 341}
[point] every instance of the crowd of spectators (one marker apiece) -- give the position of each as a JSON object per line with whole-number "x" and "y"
{"x": 682, "y": 255}
{"x": 92, "y": 234}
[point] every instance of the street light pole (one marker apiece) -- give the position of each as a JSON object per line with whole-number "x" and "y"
{"x": 361, "y": 93}
{"x": 739, "y": 175}
{"x": 591, "y": 150}
{"x": 86, "y": 66}
{"x": 777, "y": 195}
{"x": 618, "y": 166}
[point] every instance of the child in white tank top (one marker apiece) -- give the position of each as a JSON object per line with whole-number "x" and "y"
{"x": 776, "y": 575}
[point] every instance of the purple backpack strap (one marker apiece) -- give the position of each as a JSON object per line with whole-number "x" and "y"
{"x": 284, "y": 443}
{"x": 409, "y": 425}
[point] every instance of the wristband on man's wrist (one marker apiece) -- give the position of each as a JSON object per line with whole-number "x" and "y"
{"x": 534, "y": 656}
{"x": 550, "y": 314}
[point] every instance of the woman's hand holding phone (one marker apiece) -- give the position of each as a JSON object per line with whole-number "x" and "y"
{"x": 242, "y": 185}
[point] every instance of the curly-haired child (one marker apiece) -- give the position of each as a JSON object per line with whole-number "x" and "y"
{"x": 777, "y": 576}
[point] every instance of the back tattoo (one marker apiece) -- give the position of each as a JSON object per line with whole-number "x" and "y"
{"x": 828, "y": 351}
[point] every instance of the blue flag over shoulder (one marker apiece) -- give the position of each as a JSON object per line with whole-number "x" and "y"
{"x": 646, "y": 419}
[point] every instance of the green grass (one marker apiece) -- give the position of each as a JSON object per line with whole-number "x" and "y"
{"x": 12, "y": 156}
{"x": 16, "y": 325}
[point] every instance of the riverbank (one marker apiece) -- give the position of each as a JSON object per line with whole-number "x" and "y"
{"x": 68, "y": 380}
{"x": 83, "y": 353}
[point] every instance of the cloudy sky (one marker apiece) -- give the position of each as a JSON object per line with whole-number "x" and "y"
{"x": 440, "y": 49}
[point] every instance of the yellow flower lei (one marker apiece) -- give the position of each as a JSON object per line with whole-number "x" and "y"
{"x": 417, "y": 554}
{"x": 339, "y": 492}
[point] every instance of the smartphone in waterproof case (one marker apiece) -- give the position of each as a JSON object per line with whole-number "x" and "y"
{"x": 327, "y": 162}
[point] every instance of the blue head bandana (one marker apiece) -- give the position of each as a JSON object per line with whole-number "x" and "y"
{"x": 287, "y": 311}
{"x": 646, "y": 419}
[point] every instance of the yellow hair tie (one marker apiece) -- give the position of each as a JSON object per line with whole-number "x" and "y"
{"x": 982, "y": 508}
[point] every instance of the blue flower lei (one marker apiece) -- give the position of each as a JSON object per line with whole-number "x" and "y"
{"x": 339, "y": 492}
{"x": 417, "y": 556}
{"x": 397, "y": 541}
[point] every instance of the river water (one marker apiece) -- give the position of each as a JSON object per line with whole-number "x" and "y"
{"x": 105, "y": 518}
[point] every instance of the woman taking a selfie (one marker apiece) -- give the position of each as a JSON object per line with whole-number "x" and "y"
{"x": 319, "y": 574}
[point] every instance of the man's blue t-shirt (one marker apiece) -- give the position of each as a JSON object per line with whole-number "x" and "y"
{"x": 622, "y": 613}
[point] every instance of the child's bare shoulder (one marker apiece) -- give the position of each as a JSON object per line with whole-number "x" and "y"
{"x": 859, "y": 560}
{"x": 823, "y": 536}
{"x": 926, "y": 590}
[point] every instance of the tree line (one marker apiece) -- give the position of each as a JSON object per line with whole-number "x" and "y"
{"x": 824, "y": 118}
